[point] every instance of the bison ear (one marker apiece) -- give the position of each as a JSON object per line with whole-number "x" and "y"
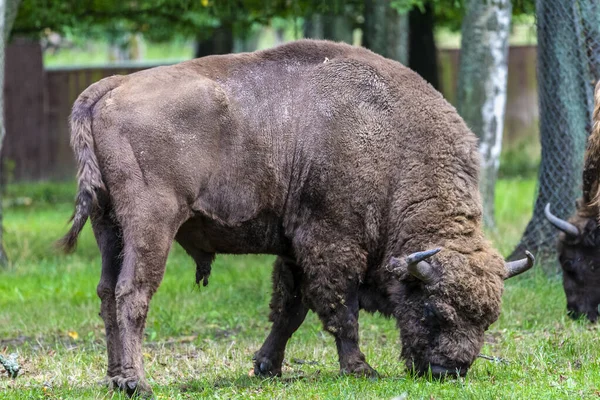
{"x": 590, "y": 237}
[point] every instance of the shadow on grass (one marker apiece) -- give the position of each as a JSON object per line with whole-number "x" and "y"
{"x": 246, "y": 383}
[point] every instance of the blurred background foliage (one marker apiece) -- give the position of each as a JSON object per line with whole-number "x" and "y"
{"x": 101, "y": 32}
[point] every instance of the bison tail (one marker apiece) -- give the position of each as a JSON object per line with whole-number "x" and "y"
{"x": 89, "y": 178}
{"x": 591, "y": 169}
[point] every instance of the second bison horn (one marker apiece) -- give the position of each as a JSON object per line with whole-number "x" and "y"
{"x": 514, "y": 268}
{"x": 419, "y": 268}
{"x": 566, "y": 227}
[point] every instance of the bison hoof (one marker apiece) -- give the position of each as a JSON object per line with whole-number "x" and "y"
{"x": 361, "y": 371}
{"x": 135, "y": 388}
{"x": 110, "y": 382}
{"x": 263, "y": 367}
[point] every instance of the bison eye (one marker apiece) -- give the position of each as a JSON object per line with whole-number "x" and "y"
{"x": 567, "y": 264}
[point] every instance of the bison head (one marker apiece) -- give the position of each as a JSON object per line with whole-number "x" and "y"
{"x": 579, "y": 256}
{"x": 445, "y": 305}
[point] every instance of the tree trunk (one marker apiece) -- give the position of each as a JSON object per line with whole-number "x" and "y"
{"x": 337, "y": 28}
{"x": 25, "y": 149}
{"x": 313, "y": 27}
{"x": 330, "y": 27}
{"x": 247, "y": 42}
{"x": 482, "y": 81}
{"x": 8, "y": 13}
{"x": 385, "y": 31}
{"x": 422, "y": 52}
{"x": 220, "y": 42}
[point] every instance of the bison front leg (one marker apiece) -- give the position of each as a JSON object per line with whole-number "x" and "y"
{"x": 146, "y": 247}
{"x": 287, "y": 314}
{"x": 109, "y": 241}
{"x": 332, "y": 273}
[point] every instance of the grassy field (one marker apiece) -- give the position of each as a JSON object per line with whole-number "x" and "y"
{"x": 199, "y": 342}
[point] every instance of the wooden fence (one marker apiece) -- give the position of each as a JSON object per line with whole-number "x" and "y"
{"x": 62, "y": 88}
{"x": 38, "y": 105}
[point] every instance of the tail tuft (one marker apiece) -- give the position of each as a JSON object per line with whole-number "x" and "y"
{"x": 89, "y": 177}
{"x": 83, "y": 209}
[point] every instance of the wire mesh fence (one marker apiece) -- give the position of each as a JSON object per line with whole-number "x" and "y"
{"x": 568, "y": 66}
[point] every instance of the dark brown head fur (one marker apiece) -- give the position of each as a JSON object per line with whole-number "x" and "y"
{"x": 579, "y": 257}
{"x": 440, "y": 326}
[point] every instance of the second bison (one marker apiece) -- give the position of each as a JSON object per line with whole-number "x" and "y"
{"x": 579, "y": 242}
{"x": 348, "y": 166}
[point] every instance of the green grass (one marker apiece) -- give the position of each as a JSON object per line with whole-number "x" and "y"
{"x": 199, "y": 342}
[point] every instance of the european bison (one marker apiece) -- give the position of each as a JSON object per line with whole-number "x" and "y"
{"x": 347, "y": 166}
{"x": 579, "y": 242}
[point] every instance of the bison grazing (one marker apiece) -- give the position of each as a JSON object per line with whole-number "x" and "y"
{"x": 349, "y": 167}
{"x": 579, "y": 243}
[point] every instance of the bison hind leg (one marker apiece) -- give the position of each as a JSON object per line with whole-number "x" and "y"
{"x": 287, "y": 314}
{"x": 108, "y": 238}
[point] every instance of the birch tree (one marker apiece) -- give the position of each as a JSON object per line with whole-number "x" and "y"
{"x": 482, "y": 82}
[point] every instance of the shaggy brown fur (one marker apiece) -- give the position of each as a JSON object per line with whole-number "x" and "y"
{"x": 327, "y": 155}
{"x": 579, "y": 255}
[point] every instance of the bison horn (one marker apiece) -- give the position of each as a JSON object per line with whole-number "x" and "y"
{"x": 514, "y": 268}
{"x": 566, "y": 227}
{"x": 419, "y": 268}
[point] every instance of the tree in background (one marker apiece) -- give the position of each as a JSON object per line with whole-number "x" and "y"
{"x": 333, "y": 21}
{"x": 422, "y": 51}
{"x": 483, "y": 76}
{"x": 386, "y": 28}
{"x": 219, "y": 41}
{"x": 8, "y": 13}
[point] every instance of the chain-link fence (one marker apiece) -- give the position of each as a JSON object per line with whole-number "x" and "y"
{"x": 568, "y": 66}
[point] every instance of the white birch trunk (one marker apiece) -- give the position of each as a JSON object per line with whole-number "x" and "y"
{"x": 482, "y": 86}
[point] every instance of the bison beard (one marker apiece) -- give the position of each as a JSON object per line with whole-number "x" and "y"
{"x": 579, "y": 242}
{"x": 347, "y": 166}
